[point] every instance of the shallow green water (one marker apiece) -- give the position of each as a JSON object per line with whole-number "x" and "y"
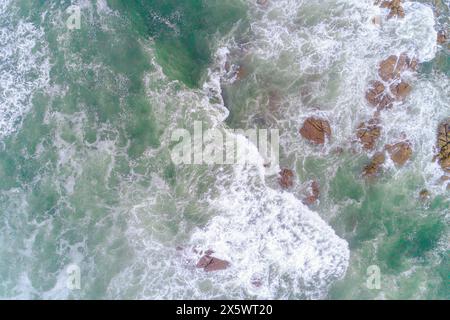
{"x": 86, "y": 177}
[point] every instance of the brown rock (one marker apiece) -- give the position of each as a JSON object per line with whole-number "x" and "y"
{"x": 424, "y": 195}
{"x": 210, "y": 264}
{"x": 373, "y": 168}
{"x": 400, "y": 152}
{"x": 314, "y": 195}
{"x": 241, "y": 73}
{"x": 392, "y": 67}
{"x": 262, "y": 2}
{"x": 442, "y": 37}
{"x": 394, "y": 5}
{"x": 368, "y": 133}
{"x": 377, "y": 96}
{"x": 315, "y": 130}
{"x": 286, "y": 179}
{"x": 400, "y": 90}
{"x": 443, "y": 144}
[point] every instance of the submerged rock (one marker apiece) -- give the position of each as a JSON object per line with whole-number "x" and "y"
{"x": 443, "y": 144}
{"x": 400, "y": 152}
{"x": 210, "y": 264}
{"x": 286, "y": 179}
{"x": 314, "y": 193}
{"x": 315, "y": 130}
{"x": 368, "y": 133}
{"x": 373, "y": 168}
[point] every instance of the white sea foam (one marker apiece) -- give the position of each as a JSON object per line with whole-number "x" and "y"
{"x": 24, "y": 68}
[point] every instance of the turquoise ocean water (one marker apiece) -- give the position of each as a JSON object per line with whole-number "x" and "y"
{"x": 86, "y": 177}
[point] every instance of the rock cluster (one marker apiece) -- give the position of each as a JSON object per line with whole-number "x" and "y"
{"x": 368, "y": 133}
{"x": 382, "y": 94}
{"x": 390, "y": 71}
{"x": 316, "y": 130}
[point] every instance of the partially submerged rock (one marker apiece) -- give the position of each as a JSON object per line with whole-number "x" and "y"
{"x": 368, "y": 133}
{"x": 315, "y": 130}
{"x": 392, "y": 67}
{"x": 424, "y": 195}
{"x": 400, "y": 90}
{"x": 443, "y": 144}
{"x": 373, "y": 168}
{"x": 394, "y": 5}
{"x": 377, "y": 96}
{"x": 442, "y": 36}
{"x": 314, "y": 193}
{"x": 209, "y": 263}
{"x": 400, "y": 152}
{"x": 396, "y": 9}
{"x": 286, "y": 179}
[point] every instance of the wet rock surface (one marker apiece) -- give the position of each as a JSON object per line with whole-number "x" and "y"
{"x": 314, "y": 190}
{"x": 443, "y": 145}
{"x": 368, "y": 133}
{"x": 442, "y": 37}
{"x": 377, "y": 96}
{"x": 373, "y": 168}
{"x": 210, "y": 264}
{"x": 392, "y": 67}
{"x": 395, "y": 6}
{"x": 316, "y": 130}
{"x": 400, "y": 152}
{"x": 286, "y": 179}
{"x": 401, "y": 90}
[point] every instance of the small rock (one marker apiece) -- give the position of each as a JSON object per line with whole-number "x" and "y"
{"x": 286, "y": 179}
{"x": 315, "y": 130}
{"x": 442, "y": 37}
{"x": 377, "y": 96}
{"x": 400, "y": 90}
{"x": 373, "y": 168}
{"x": 314, "y": 195}
{"x": 368, "y": 133}
{"x": 395, "y": 6}
{"x": 424, "y": 195}
{"x": 262, "y": 2}
{"x": 400, "y": 152}
{"x": 210, "y": 264}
